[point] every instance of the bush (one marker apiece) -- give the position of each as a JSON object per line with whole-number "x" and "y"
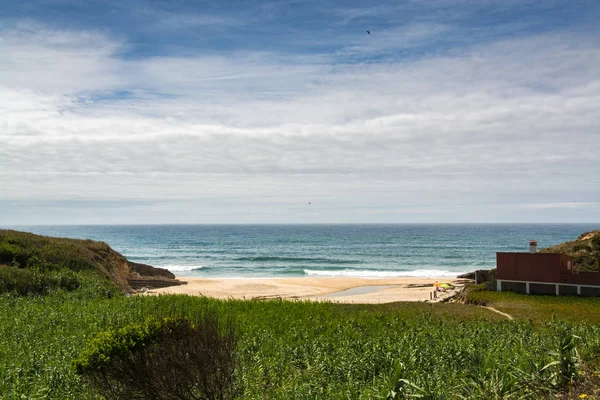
{"x": 25, "y": 282}
{"x": 10, "y": 253}
{"x": 596, "y": 242}
{"x": 170, "y": 358}
{"x": 581, "y": 247}
{"x": 585, "y": 262}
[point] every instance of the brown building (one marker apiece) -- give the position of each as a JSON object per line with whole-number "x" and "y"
{"x": 543, "y": 273}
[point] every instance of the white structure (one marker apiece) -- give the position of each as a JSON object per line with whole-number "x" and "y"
{"x": 533, "y": 246}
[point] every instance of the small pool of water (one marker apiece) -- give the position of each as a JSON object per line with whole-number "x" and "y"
{"x": 359, "y": 290}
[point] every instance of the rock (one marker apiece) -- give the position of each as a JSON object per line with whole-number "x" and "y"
{"x": 148, "y": 270}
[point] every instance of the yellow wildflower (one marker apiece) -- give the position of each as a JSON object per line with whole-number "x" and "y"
{"x": 583, "y": 396}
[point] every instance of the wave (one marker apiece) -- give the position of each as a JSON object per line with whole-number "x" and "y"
{"x": 307, "y": 260}
{"x": 179, "y": 268}
{"x": 419, "y": 273}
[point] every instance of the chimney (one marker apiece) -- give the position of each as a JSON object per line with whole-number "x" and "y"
{"x": 533, "y": 246}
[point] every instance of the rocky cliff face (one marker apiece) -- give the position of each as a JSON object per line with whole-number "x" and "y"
{"x": 585, "y": 250}
{"x": 142, "y": 275}
{"x": 148, "y": 270}
{"x": 26, "y": 250}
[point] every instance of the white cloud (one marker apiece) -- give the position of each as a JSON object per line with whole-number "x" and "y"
{"x": 567, "y": 205}
{"x": 34, "y": 57}
{"x": 181, "y": 21}
{"x": 512, "y": 122}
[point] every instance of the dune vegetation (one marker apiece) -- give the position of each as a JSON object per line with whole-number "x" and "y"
{"x": 297, "y": 350}
{"x": 81, "y": 337}
{"x": 585, "y": 250}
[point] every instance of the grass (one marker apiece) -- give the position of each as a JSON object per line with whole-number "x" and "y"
{"x": 296, "y": 350}
{"x": 55, "y": 298}
{"x": 33, "y": 281}
{"x": 29, "y": 251}
{"x": 540, "y": 308}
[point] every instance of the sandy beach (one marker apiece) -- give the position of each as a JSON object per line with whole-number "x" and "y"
{"x": 342, "y": 290}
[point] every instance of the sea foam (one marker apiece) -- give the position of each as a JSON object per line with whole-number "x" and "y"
{"x": 419, "y": 273}
{"x": 179, "y": 268}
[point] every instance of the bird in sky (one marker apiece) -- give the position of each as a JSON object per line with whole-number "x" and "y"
{"x": 369, "y": 32}
{"x": 310, "y": 202}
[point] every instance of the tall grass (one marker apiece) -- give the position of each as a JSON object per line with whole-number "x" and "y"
{"x": 32, "y": 281}
{"x": 538, "y": 308}
{"x": 294, "y": 350}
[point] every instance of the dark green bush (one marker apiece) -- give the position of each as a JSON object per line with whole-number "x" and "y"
{"x": 169, "y": 358}
{"x": 581, "y": 247}
{"x": 585, "y": 262}
{"x": 596, "y": 243}
{"x": 10, "y": 253}
{"x": 25, "y": 282}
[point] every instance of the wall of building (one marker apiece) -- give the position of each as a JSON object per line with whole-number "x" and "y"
{"x": 541, "y": 273}
{"x": 529, "y": 267}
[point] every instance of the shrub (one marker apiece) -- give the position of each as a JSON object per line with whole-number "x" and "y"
{"x": 170, "y": 358}
{"x": 581, "y": 247}
{"x": 10, "y": 253}
{"x": 51, "y": 254}
{"x": 25, "y": 282}
{"x": 585, "y": 262}
{"x": 596, "y": 242}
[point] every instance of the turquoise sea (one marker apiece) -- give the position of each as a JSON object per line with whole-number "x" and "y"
{"x": 320, "y": 250}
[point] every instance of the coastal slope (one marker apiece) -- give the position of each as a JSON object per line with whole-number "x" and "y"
{"x": 585, "y": 250}
{"x": 27, "y": 250}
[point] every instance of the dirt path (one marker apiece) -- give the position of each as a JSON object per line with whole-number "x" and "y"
{"x": 499, "y": 312}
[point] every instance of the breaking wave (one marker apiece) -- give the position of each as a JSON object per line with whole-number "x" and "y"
{"x": 306, "y": 260}
{"x": 419, "y": 273}
{"x": 180, "y": 268}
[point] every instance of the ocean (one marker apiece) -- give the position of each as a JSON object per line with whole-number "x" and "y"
{"x": 372, "y": 251}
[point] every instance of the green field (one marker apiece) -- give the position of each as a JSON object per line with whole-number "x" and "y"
{"x": 295, "y": 350}
{"x": 58, "y": 295}
{"x": 540, "y": 308}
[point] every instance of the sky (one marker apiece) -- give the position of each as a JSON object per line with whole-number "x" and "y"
{"x": 288, "y": 111}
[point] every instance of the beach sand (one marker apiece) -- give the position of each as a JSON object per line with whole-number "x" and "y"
{"x": 341, "y": 290}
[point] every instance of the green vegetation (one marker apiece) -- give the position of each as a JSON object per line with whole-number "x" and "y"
{"x": 26, "y": 281}
{"x": 294, "y": 350}
{"x": 34, "y": 252}
{"x": 69, "y": 333}
{"x": 538, "y": 308}
{"x": 173, "y": 357}
{"x": 585, "y": 250}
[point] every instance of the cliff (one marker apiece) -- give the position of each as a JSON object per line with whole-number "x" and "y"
{"x": 26, "y": 250}
{"x": 585, "y": 250}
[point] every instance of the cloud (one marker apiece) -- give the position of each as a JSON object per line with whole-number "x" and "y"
{"x": 513, "y": 121}
{"x": 62, "y": 62}
{"x": 172, "y": 21}
{"x": 564, "y": 205}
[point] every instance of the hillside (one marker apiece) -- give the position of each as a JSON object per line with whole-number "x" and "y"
{"x": 28, "y": 251}
{"x": 585, "y": 250}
